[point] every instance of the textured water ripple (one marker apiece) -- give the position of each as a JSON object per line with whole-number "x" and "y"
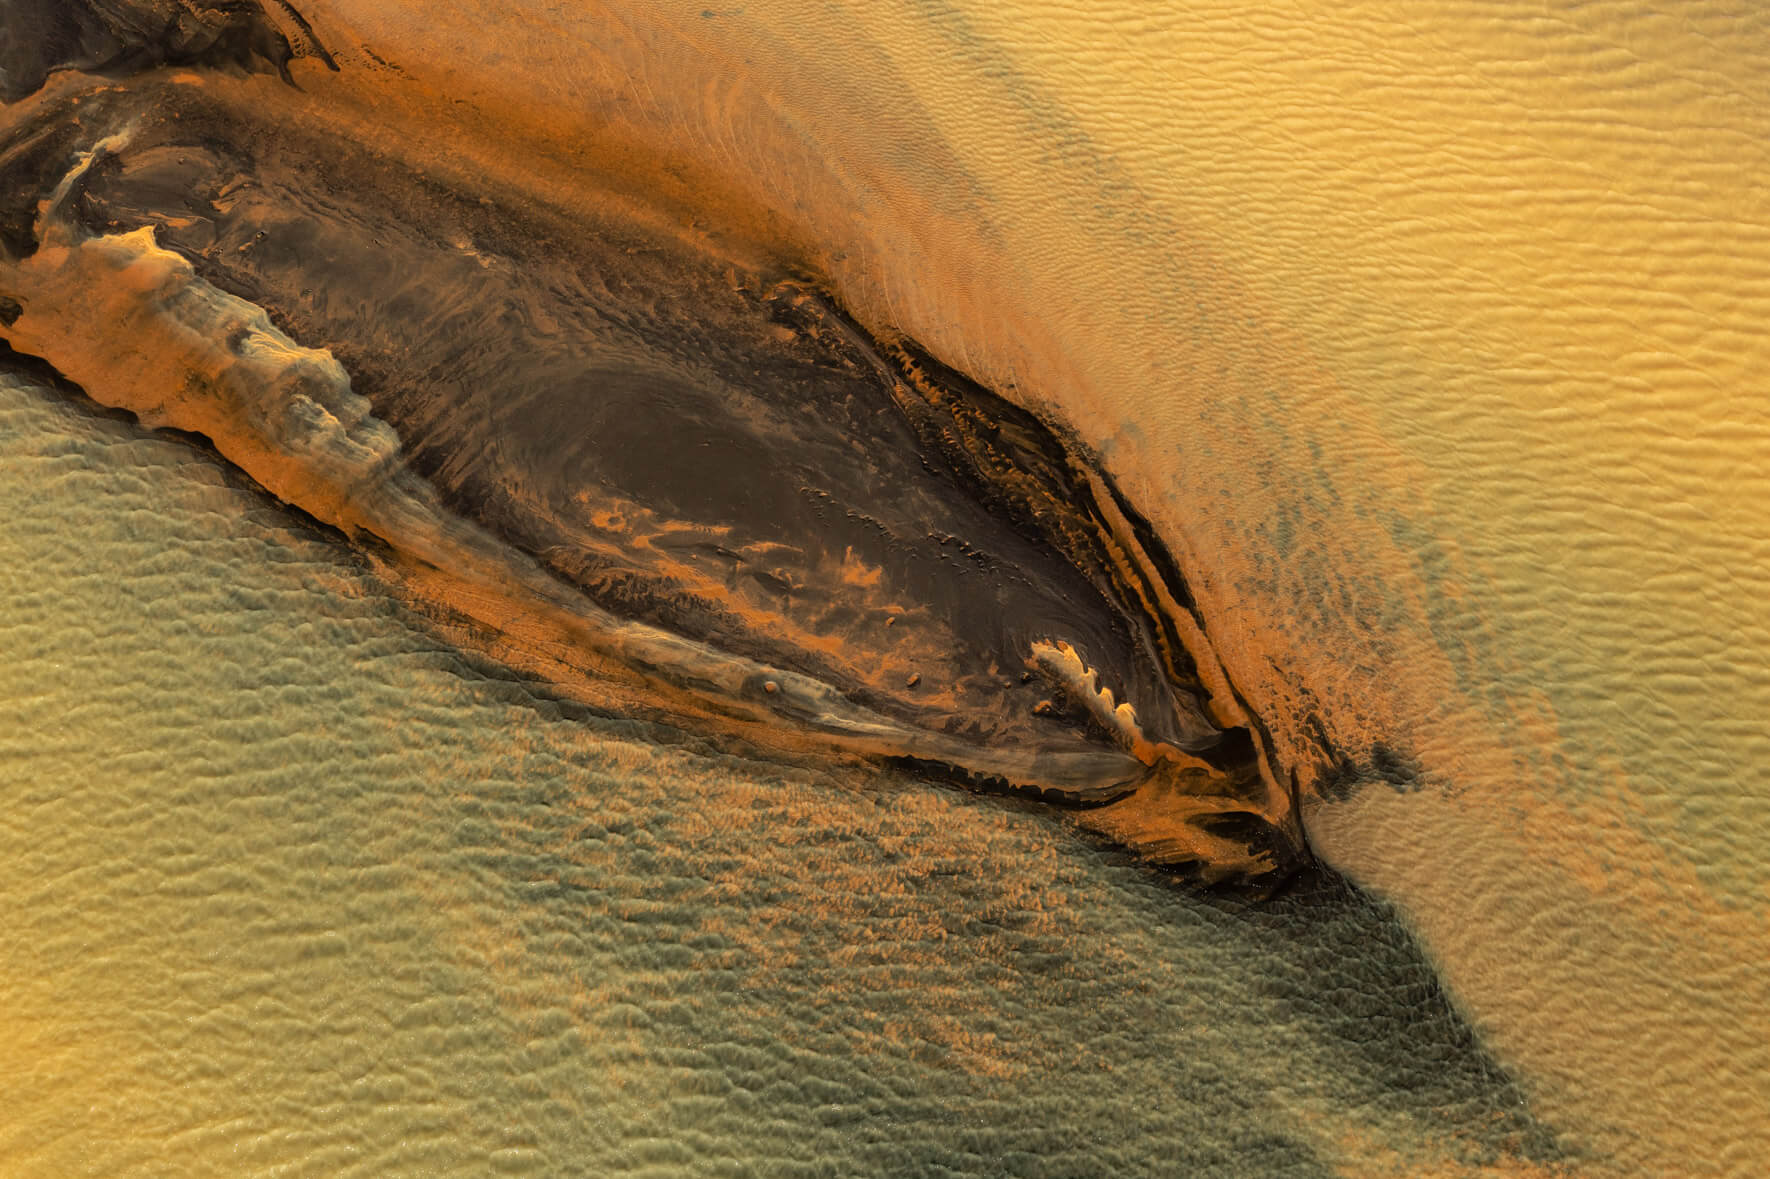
{"x": 293, "y": 889}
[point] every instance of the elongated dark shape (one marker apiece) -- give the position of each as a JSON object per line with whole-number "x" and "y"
{"x": 668, "y": 479}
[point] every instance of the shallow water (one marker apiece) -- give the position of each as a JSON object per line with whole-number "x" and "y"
{"x": 295, "y": 889}
{"x": 1434, "y": 347}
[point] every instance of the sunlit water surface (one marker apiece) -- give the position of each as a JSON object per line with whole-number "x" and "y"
{"x": 291, "y": 888}
{"x": 1456, "y": 321}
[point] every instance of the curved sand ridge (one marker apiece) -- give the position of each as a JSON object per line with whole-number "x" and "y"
{"x": 531, "y": 554}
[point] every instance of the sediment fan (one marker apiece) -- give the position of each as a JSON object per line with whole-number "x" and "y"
{"x": 669, "y": 475}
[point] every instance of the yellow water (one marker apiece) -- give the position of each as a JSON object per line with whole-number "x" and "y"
{"x": 293, "y": 890}
{"x": 1431, "y": 337}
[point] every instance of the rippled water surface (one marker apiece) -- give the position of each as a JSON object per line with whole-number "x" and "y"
{"x": 1431, "y": 342}
{"x": 293, "y": 889}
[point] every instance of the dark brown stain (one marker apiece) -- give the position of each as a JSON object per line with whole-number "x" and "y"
{"x": 703, "y": 441}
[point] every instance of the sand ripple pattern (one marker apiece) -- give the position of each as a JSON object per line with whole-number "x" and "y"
{"x": 293, "y": 888}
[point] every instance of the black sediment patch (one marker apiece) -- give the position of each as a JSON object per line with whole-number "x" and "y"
{"x": 704, "y": 445}
{"x": 123, "y": 37}
{"x": 1359, "y": 980}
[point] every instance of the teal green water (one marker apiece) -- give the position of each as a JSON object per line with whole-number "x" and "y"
{"x": 294, "y": 889}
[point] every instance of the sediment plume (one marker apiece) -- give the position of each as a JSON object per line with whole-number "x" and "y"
{"x": 667, "y": 477}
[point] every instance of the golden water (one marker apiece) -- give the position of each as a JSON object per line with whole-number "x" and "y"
{"x": 1432, "y": 339}
{"x": 293, "y": 890}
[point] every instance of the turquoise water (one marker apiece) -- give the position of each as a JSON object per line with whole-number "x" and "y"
{"x": 293, "y": 888}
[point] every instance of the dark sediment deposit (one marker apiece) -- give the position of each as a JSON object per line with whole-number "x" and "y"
{"x": 823, "y": 538}
{"x": 667, "y": 478}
